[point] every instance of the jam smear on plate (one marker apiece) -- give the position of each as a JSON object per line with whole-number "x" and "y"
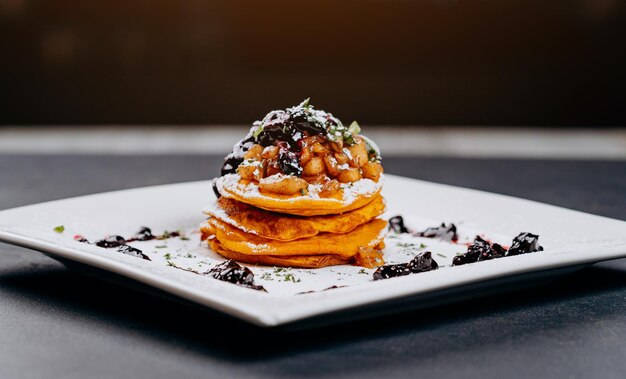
{"x": 144, "y": 234}
{"x": 421, "y": 263}
{"x": 112, "y": 241}
{"x": 79, "y": 238}
{"x": 479, "y": 250}
{"x": 132, "y": 251}
{"x": 227, "y": 271}
{"x": 525, "y": 243}
{"x": 482, "y": 250}
{"x": 334, "y": 286}
{"x": 396, "y": 224}
{"x": 232, "y": 272}
{"x": 443, "y": 232}
{"x": 121, "y": 244}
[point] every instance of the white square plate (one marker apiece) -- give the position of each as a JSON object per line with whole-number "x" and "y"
{"x": 570, "y": 239}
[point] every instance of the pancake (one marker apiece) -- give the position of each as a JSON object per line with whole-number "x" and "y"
{"x": 300, "y": 189}
{"x": 353, "y": 196}
{"x": 305, "y": 261}
{"x": 282, "y": 227}
{"x": 367, "y": 235}
{"x": 369, "y": 258}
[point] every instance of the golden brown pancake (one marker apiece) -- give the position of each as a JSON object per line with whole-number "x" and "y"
{"x": 354, "y": 196}
{"x": 367, "y": 235}
{"x": 369, "y": 258}
{"x": 277, "y": 226}
{"x": 306, "y": 261}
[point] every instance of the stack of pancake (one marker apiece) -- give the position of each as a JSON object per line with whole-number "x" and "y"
{"x": 299, "y": 231}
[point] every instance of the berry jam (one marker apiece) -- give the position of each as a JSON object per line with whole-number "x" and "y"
{"x": 144, "y": 234}
{"x": 443, "y": 232}
{"x": 234, "y": 159}
{"x": 167, "y": 235}
{"x": 421, "y": 263}
{"x": 289, "y": 162}
{"x": 525, "y": 243}
{"x": 215, "y": 190}
{"x": 113, "y": 241}
{"x": 232, "y": 272}
{"x": 134, "y": 252}
{"x": 396, "y": 224}
{"x": 272, "y": 134}
{"x": 300, "y": 121}
{"x": 230, "y": 165}
{"x": 481, "y": 250}
{"x": 79, "y": 238}
{"x": 325, "y": 289}
{"x": 391, "y": 271}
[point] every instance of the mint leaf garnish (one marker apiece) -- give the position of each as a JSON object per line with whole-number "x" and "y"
{"x": 305, "y": 103}
{"x": 354, "y": 128}
{"x": 257, "y": 131}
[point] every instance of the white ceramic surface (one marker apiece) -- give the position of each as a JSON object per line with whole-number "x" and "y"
{"x": 569, "y": 238}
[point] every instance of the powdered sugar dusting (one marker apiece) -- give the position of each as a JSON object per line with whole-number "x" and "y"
{"x": 351, "y": 191}
{"x": 274, "y": 178}
{"x": 214, "y": 210}
{"x": 363, "y": 187}
{"x": 382, "y": 234}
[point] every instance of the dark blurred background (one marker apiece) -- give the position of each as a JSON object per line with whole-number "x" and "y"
{"x": 473, "y": 62}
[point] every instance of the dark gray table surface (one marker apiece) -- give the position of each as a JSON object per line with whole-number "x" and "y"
{"x": 55, "y": 323}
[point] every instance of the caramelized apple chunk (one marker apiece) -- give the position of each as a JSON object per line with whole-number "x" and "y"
{"x": 372, "y": 170}
{"x": 349, "y": 175}
{"x": 254, "y": 153}
{"x": 283, "y": 185}
{"x": 314, "y": 166}
{"x": 250, "y": 170}
{"x": 358, "y": 152}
